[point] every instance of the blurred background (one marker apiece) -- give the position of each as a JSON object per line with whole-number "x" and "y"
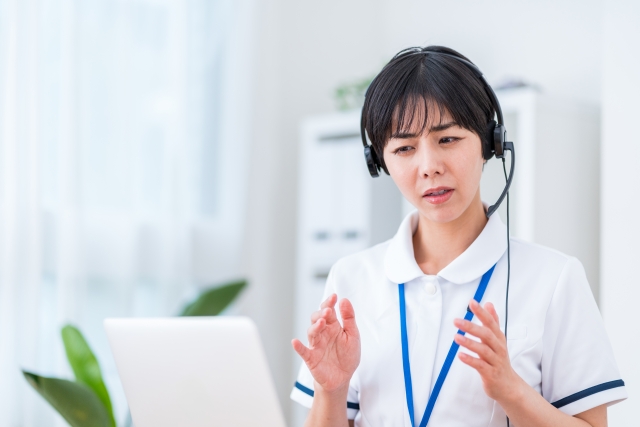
{"x": 153, "y": 148}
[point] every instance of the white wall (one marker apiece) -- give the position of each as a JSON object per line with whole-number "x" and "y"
{"x": 620, "y": 208}
{"x": 556, "y": 44}
{"x": 305, "y": 49}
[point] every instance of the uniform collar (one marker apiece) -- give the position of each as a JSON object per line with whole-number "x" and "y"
{"x": 401, "y": 267}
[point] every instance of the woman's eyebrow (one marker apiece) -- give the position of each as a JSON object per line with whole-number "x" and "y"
{"x": 437, "y": 128}
{"x": 404, "y": 135}
{"x": 443, "y": 126}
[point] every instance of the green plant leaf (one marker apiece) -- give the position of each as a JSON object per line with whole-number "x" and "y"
{"x": 76, "y": 402}
{"x": 85, "y": 366}
{"x": 351, "y": 95}
{"x": 212, "y": 301}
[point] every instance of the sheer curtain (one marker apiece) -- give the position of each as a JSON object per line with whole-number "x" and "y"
{"x": 123, "y": 139}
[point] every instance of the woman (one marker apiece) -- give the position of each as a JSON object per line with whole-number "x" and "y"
{"x": 378, "y": 360}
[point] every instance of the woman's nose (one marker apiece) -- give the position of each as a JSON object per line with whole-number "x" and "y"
{"x": 429, "y": 158}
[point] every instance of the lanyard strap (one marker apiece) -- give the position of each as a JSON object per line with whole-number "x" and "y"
{"x": 448, "y": 361}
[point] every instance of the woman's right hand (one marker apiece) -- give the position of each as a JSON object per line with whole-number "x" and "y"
{"x": 334, "y": 350}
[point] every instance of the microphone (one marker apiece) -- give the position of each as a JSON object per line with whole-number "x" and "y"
{"x": 508, "y": 146}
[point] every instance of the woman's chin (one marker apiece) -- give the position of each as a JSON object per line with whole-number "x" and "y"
{"x": 441, "y": 213}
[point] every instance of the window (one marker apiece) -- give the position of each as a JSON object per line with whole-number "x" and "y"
{"x": 122, "y": 155}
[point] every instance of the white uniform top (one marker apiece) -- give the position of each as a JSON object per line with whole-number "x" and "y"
{"x": 556, "y": 338}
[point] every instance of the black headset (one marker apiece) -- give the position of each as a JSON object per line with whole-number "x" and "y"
{"x": 494, "y": 143}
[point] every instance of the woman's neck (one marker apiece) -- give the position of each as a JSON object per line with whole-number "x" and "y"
{"x": 435, "y": 245}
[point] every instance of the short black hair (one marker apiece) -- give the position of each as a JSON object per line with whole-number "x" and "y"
{"x": 412, "y": 82}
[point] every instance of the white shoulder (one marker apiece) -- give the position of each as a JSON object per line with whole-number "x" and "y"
{"x": 534, "y": 255}
{"x": 360, "y": 266}
{"x": 548, "y": 265}
{"x": 372, "y": 257}
{"x": 539, "y": 253}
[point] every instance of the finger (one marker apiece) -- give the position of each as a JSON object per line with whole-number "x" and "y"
{"x": 316, "y": 315}
{"x": 300, "y": 348}
{"x": 485, "y": 317}
{"x": 478, "y": 364}
{"x": 492, "y": 310}
{"x": 485, "y": 334}
{"x": 348, "y": 315}
{"x": 482, "y": 350}
{"x": 314, "y": 331}
{"x": 330, "y": 301}
{"x": 329, "y": 314}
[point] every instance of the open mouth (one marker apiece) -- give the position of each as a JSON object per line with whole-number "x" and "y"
{"x": 438, "y": 193}
{"x": 439, "y": 196}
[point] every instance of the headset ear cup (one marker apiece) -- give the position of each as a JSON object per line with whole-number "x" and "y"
{"x": 372, "y": 163}
{"x": 487, "y": 143}
{"x": 499, "y": 138}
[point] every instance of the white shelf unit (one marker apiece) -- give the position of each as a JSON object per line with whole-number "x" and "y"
{"x": 555, "y": 197}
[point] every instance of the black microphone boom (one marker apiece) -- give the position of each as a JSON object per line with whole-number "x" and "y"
{"x": 508, "y": 146}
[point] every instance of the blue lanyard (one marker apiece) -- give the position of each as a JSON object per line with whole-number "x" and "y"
{"x": 448, "y": 361}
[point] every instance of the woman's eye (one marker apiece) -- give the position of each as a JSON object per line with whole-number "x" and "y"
{"x": 403, "y": 149}
{"x": 448, "y": 140}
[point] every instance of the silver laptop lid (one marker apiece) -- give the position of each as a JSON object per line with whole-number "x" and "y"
{"x": 194, "y": 372}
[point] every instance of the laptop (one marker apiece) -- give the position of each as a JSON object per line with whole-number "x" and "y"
{"x": 194, "y": 372}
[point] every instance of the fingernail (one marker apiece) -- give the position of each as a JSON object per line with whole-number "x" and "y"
{"x": 457, "y": 322}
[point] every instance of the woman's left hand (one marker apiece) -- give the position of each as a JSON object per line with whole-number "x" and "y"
{"x": 499, "y": 379}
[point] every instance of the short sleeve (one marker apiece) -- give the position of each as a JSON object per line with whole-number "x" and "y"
{"x": 579, "y": 370}
{"x": 302, "y": 391}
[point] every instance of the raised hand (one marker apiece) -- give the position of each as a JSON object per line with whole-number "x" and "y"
{"x": 498, "y": 377}
{"x": 334, "y": 350}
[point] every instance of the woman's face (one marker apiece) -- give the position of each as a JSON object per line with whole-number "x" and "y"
{"x": 439, "y": 170}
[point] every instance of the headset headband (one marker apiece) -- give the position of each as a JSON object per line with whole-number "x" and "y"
{"x": 478, "y": 73}
{"x": 472, "y": 67}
